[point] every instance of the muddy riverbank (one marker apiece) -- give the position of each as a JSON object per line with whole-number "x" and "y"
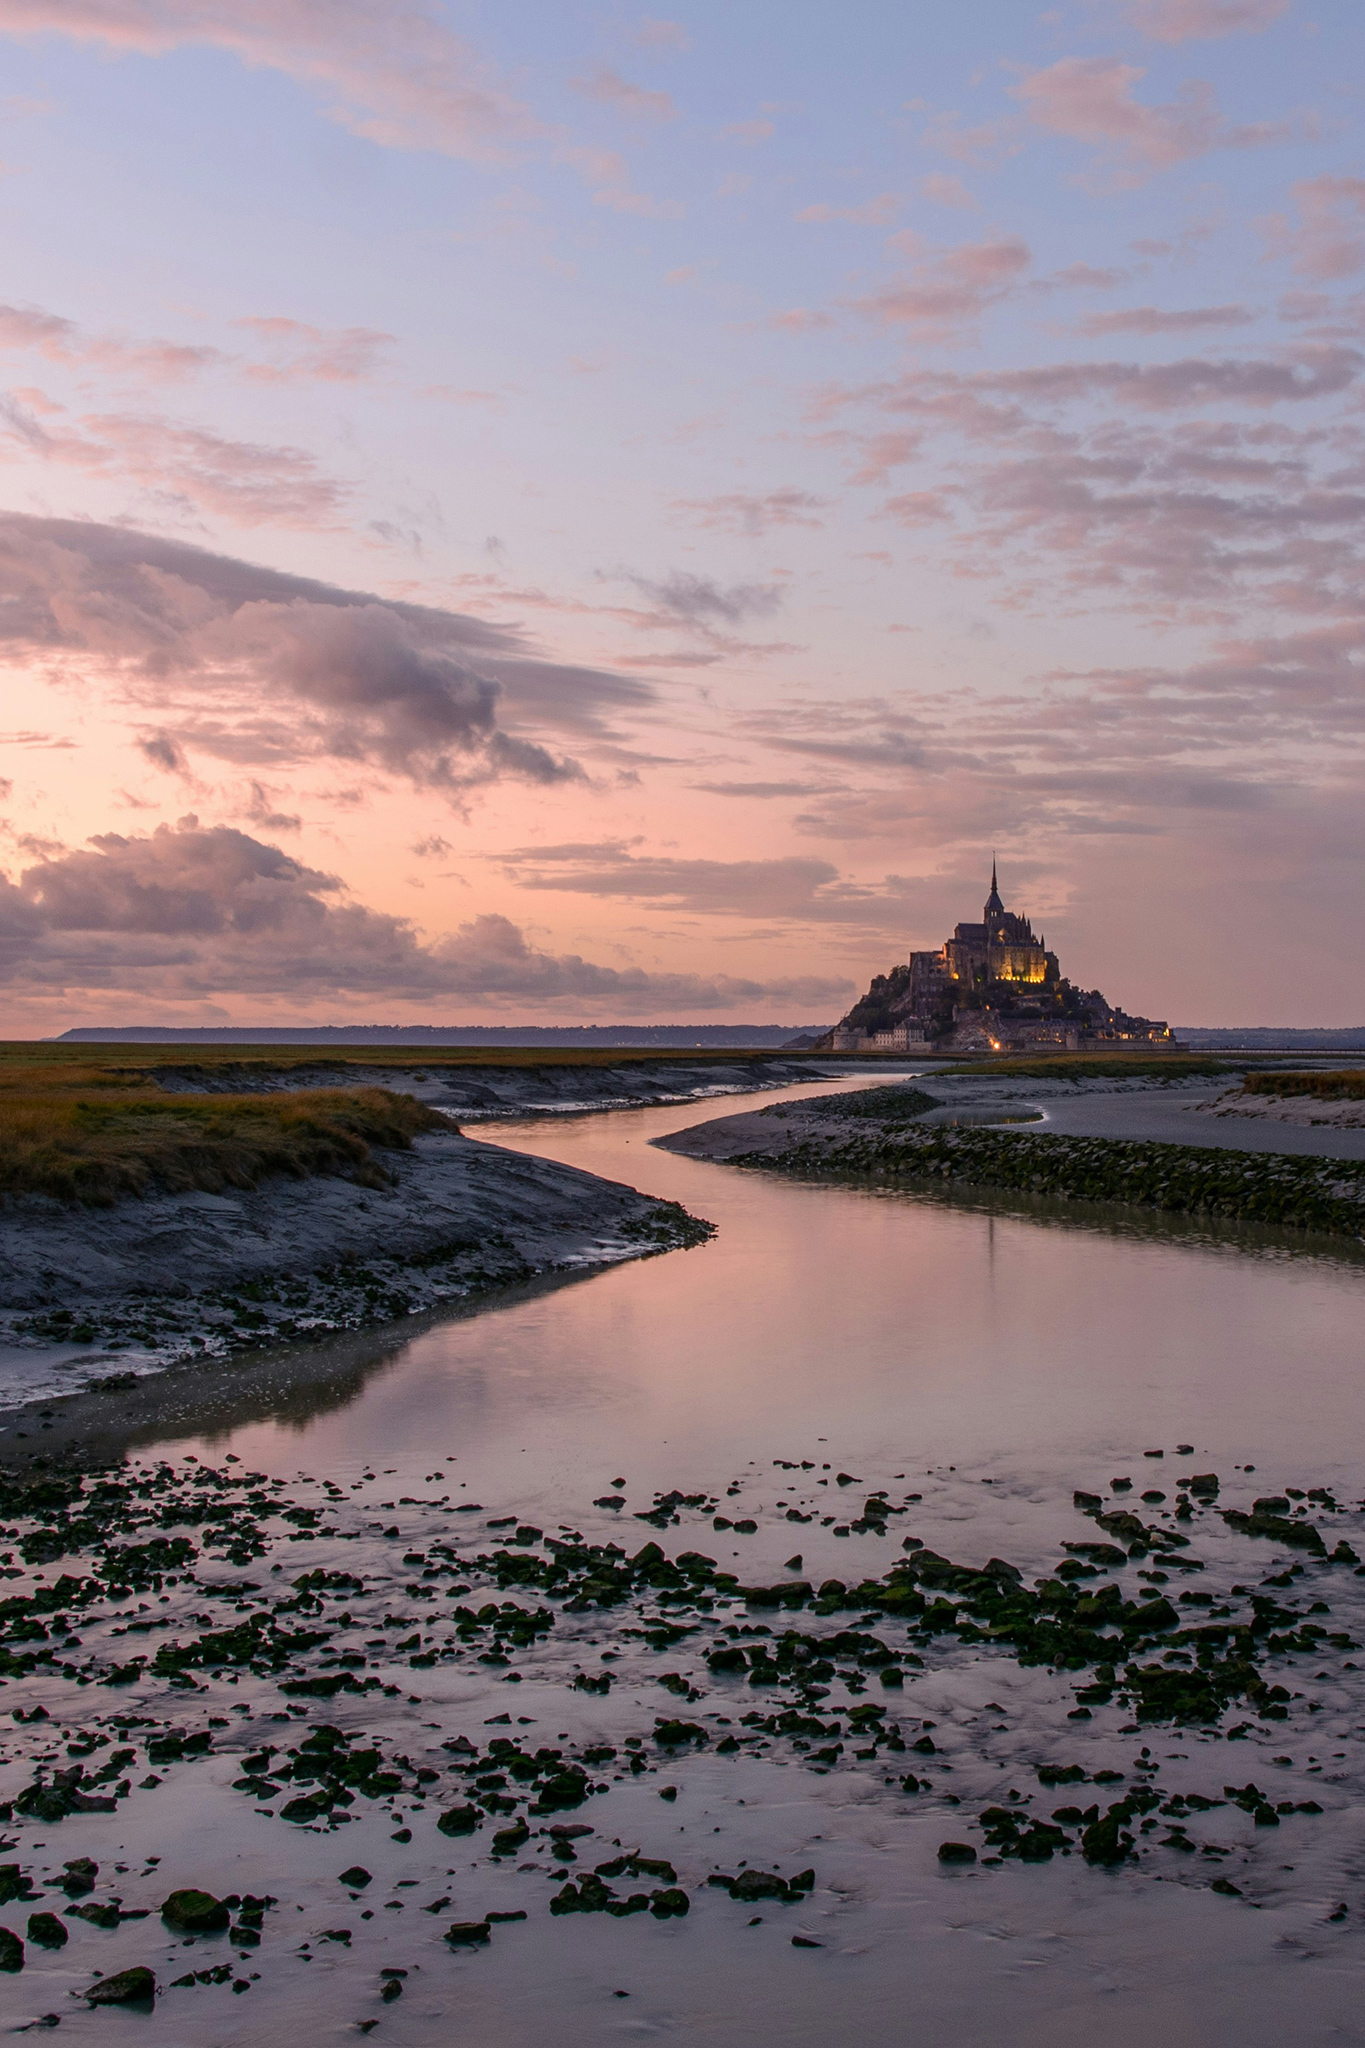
{"x": 1103, "y": 1146}
{"x": 94, "y": 1296}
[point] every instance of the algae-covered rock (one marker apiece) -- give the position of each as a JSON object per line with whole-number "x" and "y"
{"x": 126, "y": 1989}
{"x": 459, "y": 1820}
{"x": 99, "y": 1912}
{"x": 47, "y": 1930}
{"x": 195, "y": 1912}
{"x": 467, "y": 1933}
{"x": 80, "y": 1877}
{"x": 956, "y": 1852}
{"x": 11, "y": 1950}
{"x": 1105, "y": 1841}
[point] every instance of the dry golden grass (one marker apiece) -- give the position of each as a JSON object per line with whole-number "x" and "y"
{"x": 90, "y": 1123}
{"x": 98, "y": 1139}
{"x": 135, "y": 1061}
{"x": 1343, "y": 1087}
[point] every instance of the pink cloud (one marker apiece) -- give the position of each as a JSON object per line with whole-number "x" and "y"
{"x": 305, "y": 354}
{"x": 1328, "y": 240}
{"x": 607, "y": 175}
{"x": 194, "y": 911}
{"x": 1182, "y": 21}
{"x": 1090, "y": 99}
{"x": 302, "y": 353}
{"x": 1165, "y": 320}
{"x": 609, "y": 89}
{"x": 749, "y": 133}
{"x": 990, "y": 143}
{"x": 798, "y": 320}
{"x": 755, "y": 512}
{"x": 989, "y": 405}
{"x": 951, "y": 289}
{"x": 918, "y": 508}
{"x": 660, "y": 35}
{"x": 450, "y": 394}
{"x": 1081, "y": 277}
{"x": 186, "y": 467}
{"x": 61, "y": 341}
{"x": 877, "y": 212}
{"x": 1310, "y": 373}
{"x": 947, "y": 189}
{"x": 1172, "y": 490}
{"x": 881, "y": 453}
{"x": 391, "y": 70}
{"x": 268, "y": 670}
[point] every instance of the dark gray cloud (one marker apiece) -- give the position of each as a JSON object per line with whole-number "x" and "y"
{"x": 256, "y": 665}
{"x": 163, "y": 752}
{"x": 189, "y": 913}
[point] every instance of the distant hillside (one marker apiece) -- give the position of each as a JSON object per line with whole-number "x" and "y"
{"x": 415, "y": 1036}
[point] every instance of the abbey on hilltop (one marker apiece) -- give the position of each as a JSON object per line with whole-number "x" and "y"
{"x": 991, "y": 987}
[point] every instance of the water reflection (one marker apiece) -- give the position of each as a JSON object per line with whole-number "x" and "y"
{"x": 893, "y": 1326}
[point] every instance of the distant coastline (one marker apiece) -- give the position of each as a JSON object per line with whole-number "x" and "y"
{"x": 758, "y": 1037}
{"x": 1272, "y": 1038}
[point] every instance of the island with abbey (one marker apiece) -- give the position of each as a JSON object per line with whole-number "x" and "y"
{"x": 991, "y": 987}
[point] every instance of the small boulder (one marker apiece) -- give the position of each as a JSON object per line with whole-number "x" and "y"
{"x": 11, "y": 1950}
{"x": 47, "y": 1930}
{"x": 80, "y": 1876}
{"x": 127, "y": 1988}
{"x": 467, "y": 1933}
{"x": 195, "y": 1912}
{"x": 460, "y": 1820}
{"x": 956, "y": 1852}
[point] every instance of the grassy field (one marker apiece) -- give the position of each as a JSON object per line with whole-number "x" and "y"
{"x": 90, "y": 1123}
{"x": 97, "y": 1137}
{"x": 138, "y": 1061}
{"x": 1342, "y": 1087}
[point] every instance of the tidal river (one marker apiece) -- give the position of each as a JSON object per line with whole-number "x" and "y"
{"x": 974, "y": 1367}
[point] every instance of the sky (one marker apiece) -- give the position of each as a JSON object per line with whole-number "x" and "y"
{"x": 554, "y": 513}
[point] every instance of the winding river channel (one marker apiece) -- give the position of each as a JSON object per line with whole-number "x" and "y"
{"x": 975, "y": 1363}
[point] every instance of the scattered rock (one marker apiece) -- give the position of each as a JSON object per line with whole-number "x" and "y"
{"x": 195, "y": 1912}
{"x": 128, "y": 1988}
{"x": 467, "y": 1933}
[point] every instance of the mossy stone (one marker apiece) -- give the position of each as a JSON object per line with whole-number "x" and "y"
{"x": 195, "y": 1912}
{"x": 126, "y": 1989}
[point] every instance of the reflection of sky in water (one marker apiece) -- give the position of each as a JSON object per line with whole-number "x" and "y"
{"x": 907, "y": 1333}
{"x": 888, "y": 1336}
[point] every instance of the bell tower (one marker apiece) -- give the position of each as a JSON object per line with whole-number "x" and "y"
{"x": 994, "y": 907}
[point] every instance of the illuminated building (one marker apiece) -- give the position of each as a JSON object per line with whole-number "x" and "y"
{"x": 991, "y": 987}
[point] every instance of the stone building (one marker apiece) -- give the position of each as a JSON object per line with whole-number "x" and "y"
{"x": 991, "y": 987}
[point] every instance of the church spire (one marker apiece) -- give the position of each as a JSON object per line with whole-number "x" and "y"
{"x": 994, "y": 907}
